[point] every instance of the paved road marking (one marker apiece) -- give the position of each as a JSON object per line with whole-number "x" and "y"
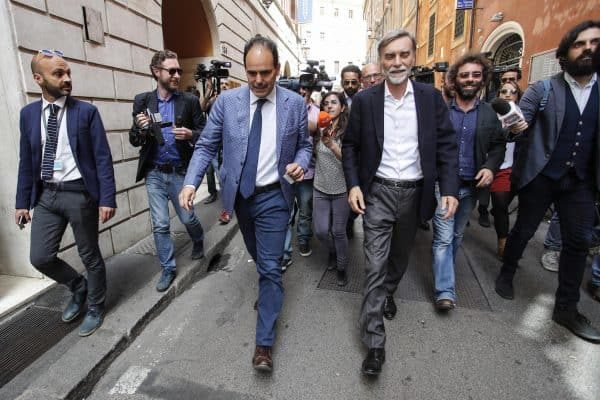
{"x": 130, "y": 381}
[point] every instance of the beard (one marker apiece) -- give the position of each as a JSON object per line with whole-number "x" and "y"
{"x": 399, "y": 78}
{"x": 169, "y": 84}
{"x": 57, "y": 91}
{"x": 581, "y": 66}
{"x": 351, "y": 91}
{"x": 468, "y": 94}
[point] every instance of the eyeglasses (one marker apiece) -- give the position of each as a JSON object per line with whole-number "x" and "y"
{"x": 172, "y": 71}
{"x": 51, "y": 53}
{"x": 510, "y": 79}
{"x": 376, "y": 75}
{"x": 350, "y": 82}
{"x": 474, "y": 74}
{"x": 508, "y": 91}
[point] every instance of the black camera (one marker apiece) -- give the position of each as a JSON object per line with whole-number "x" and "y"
{"x": 310, "y": 78}
{"x": 153, "y": 128}
{"x": 218, "y": 70}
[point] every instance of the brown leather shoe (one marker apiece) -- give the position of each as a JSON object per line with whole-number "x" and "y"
{"x": 594, "y": 291}
{"x": 262, "y": 360}
{"x": 444, "y": 305}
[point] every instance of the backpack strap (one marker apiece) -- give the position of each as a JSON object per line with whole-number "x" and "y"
{"x": 544, "y": 102}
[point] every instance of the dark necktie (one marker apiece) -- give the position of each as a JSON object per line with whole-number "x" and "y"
{"x": 248, "y": 179}
{"x": 51, "y": 144}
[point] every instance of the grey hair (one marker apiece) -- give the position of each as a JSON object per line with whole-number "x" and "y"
{"x": 393, "y": 35}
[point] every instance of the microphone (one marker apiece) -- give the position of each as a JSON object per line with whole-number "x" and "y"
{"x": 324, "y": 119}
{"x": 508, "y": 112}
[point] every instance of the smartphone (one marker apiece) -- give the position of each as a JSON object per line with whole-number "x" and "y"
{"x": 22, "y": 222}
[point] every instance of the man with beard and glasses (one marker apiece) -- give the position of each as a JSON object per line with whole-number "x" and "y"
{"x": 166, "y": 152}
{"x": 398, "y": 142}
{"x": 350, "y": 81}
{"x": 66, "y": 175}
{"x": 559, "y": 163}
{"x": 481, "y": 146}
{"x": 263, "y": 130}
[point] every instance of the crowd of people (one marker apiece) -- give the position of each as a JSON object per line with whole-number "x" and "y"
{"x": 394, "y": 151}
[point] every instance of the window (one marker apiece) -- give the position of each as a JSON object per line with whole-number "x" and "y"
{"x": 350, "y": 14}
{"x": 430, "y": 46}
{"x": 459, "y": 23}
{"x": 322, "y": 10}
{"x": 336, "y": 12}
{"x": 336, "y": 67}
{"x": 322, "y": 35}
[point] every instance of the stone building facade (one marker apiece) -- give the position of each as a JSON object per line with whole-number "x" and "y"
{"x": 109, "y": 44}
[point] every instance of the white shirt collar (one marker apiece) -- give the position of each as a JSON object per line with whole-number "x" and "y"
{"x": 59, "y": 102}
{"x": 409, "y": 89}
{"x": 270, "y": 97}
{"x": 572, "y": 82}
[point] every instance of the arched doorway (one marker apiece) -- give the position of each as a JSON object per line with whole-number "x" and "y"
{"x": 190, "y": 30}
{"x": 509, "y": 52}
{"x": 505, "y": 46}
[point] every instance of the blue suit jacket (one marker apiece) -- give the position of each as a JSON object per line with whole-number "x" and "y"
{"x": 88, "y": 142}
{"x": 229, "y": 124}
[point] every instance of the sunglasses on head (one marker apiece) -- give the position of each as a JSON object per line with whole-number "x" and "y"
{"x": 51, "y": 53}
{"x": 172, "y": 71}
{"x": 508, "y": 91}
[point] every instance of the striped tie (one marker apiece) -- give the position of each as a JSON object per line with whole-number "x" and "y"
{"x": 51, "y": 144}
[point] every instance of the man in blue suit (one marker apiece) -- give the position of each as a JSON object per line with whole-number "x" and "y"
{"x": 66, "y": 175}
{"x": 264, "y": 133}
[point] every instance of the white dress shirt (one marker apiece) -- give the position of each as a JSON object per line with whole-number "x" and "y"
{"x": 64, "y": 154}
{"x": 400, "y": 159}
{"x": 581, "y": 93}
{"x": 267, "y": 156}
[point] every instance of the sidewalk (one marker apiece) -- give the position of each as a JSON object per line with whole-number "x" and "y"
{"x": 73, "y": 363}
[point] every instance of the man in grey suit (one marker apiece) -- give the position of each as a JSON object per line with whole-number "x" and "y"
{"x": 264, "y": 133}
{"x": 559, "y": 163}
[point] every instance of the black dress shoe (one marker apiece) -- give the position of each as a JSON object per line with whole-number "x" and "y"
{"x": 389, "y": 308}
{"x": 578, "y": 325}
{"x": 211, "y": 199}
{"x": 372, "y": 364}
{"x": 342, "y": 279}
{"x": 484, "y": 220}
{"x": 504, "y": 286}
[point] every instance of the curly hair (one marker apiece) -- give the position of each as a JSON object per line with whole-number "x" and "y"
{"x": 471, "y": 58}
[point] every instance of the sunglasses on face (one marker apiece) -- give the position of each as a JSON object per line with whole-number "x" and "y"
{"x": 350, "y": 82}
{"x": 508, "y": 91}
{"x": 51, "y": 53}
{"x": 511, "y": 79}
{"x": 172, "y": 71}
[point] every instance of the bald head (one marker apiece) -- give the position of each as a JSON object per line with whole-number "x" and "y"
{"x": 52, "y": 74}
{"x": 371, "y": 75}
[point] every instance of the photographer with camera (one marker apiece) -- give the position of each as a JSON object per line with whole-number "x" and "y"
{"x": 166, "y": 125}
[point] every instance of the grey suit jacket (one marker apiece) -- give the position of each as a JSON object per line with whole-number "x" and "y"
{"x": 541, "y": 137}
{"x": 229, "y": 124}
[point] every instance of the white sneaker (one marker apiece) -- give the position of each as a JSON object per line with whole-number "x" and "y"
{"x": 550, "y": 260}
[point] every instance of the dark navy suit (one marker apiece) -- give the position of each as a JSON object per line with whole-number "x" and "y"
{"x": 54, "y": 208}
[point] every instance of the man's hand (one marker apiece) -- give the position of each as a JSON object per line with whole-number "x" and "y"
{"x": 518, "y": 127}
{"x": 142, "y": 120}
{"x": 356, "y": 201}
{"x": 21, "y": 212}
{"x": 449, "y": 203}
{"x": 294, "y": 171}
{"x": 182, "y": 133}
{"x": 485, "y": 177}
{"x": 106, "y": 213}
{"x": 186, "y": 198}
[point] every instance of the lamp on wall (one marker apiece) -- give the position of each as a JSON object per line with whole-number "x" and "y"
{"x": 499, "y": 16}
{"x": 266, "y": 3}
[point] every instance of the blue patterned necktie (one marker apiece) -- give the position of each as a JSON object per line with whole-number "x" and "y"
{"x": 51, "y": 144}
{"x": 248, "y": 178}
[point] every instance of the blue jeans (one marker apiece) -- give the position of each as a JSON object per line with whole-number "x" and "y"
{"x": 263, "y": 222}
{"x": 161, "y": 188}
{"x": 304, "y": 200}
{"x": 447, "y": 237}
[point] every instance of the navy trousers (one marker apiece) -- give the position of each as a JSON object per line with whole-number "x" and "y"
{"x": 574, "y": 201}
{"x": 263, "y": 221}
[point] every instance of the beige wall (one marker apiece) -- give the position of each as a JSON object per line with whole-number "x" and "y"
{"x": 109, "y": 76}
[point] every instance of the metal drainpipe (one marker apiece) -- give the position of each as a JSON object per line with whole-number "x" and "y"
{"x": 472, "y": 24}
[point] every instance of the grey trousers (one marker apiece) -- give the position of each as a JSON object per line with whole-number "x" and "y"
{"x": 330, "y": 215}
{"x": 390, "y": 225}
{"x": 51, "y": 215}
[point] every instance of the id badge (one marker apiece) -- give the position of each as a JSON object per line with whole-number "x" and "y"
{"x": 58, "y": 165}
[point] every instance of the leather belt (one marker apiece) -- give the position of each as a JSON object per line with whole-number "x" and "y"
{"x": 169, "y": 168}
{"x": 76, "y": 185}
{"x": 266, "y": 188}
{"x": 398, "y": 184}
